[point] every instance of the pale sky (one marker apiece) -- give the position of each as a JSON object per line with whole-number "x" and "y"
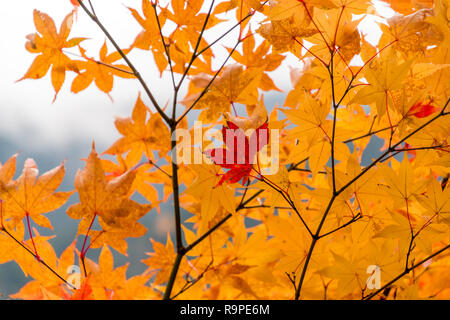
{"x": 27, "y": 113}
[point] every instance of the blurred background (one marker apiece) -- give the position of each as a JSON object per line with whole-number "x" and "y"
{"x": 64, "y": 130}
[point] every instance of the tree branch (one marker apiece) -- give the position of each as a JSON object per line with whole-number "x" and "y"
{"x": 343, "y": 188}
{"x": 124, "y": 56}
{"x": 405, "y": 272}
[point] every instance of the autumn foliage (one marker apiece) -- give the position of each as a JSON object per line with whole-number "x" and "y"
{"x": 310, "y": 230}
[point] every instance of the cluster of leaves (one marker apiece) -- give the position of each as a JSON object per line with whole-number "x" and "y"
{"x": 320, "y": 221}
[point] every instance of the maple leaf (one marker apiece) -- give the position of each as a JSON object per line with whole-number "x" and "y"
{"x": 190, "y": 24}
{"x": 45, "y": 285}
{"x": 109, "y": 201}
{"x": 148, "y": 38}
{"x": 422, "y": 110}
{"x": 313, "y": 130}
{"x": 105, "y": 278}
{"x": 136, "y": 288}
{"x": 412, "y": 33}
{"x": 440, "y": 21}
{"x": 161, "y": 259}
{"x": 7, "y": 170}
{"x": 400, "y": 186}
{"x": 9, "y": 246}
{"x": 436, "y": 201}
{"x": 141, "y": 136}
{"x": 259, "y": 57}
{"x": 285, "y": 35}
{"x": 50, "y": 44}
{"x": 239, "y": 153}
{"x": 218, "y": 196}
{"x": 409, "y": 6}
{"x": 187, "y": 13}
{"x": 144, "y": 177}
{"x": 235, "y": 85}
{"x": 102, "y": 73}
{"x": 292, "y": 247}
{"x": 338, "y": 35}
{"x": 350, "y": 274}
{"x": 385, "y": 76}
{"x": 31, "y": 196}
{"x": 82, "y": 293}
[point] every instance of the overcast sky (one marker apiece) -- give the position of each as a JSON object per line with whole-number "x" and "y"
{"x": 27, "y": 114}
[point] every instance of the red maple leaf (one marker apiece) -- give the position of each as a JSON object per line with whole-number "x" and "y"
{"x": 422, "y": 110}
{"x": 239, "y": 152}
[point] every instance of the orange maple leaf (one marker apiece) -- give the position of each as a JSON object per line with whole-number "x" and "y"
{"x": 140, "y": 136}
{"x": 31, "y": 196}
{"x": 109, "y": 200}
{"x": 102, "y": 71}
{"x": 50, "y": 44}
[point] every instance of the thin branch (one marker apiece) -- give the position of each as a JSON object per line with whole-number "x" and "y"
{"x": 92, "y": 8}
{"x": 169, "y": 60}
{"x": 124, "y": 56}
{"x": 343, "y": 188}
{"x": 310, "y": 52}
{"x": 354, "y": 219}
{"x": 288, "y": 199}
{"x": 83, "y": 250}
{"x": 370, "y": 133}
{"x": 194, "y": 53}
{"x": 207, "y": 233}
{"x": 229, "y": 30}
{"x": 190, "y": 283}
{"x": 292, "y": 279}
{"x": 405, "y": 272}
{"x": 294, "y": 166}
{"x": 374, "y": 56}
{"x": 99, "y": 62}
{"x": 241, "y": 206}
{"x": 159, "y": 168}
{"x": 333, "y": 135}
{"x": 337, "y": 27}
{"x": 308, "y": 170}
{"x": 315, "y": 25}
{"x": 266, "y": 206}
{"x": 244, "y": 193}
{"x": 205, "y": 90}
{"x": 421, "y": 148}
{"x": 392, "y": 148}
